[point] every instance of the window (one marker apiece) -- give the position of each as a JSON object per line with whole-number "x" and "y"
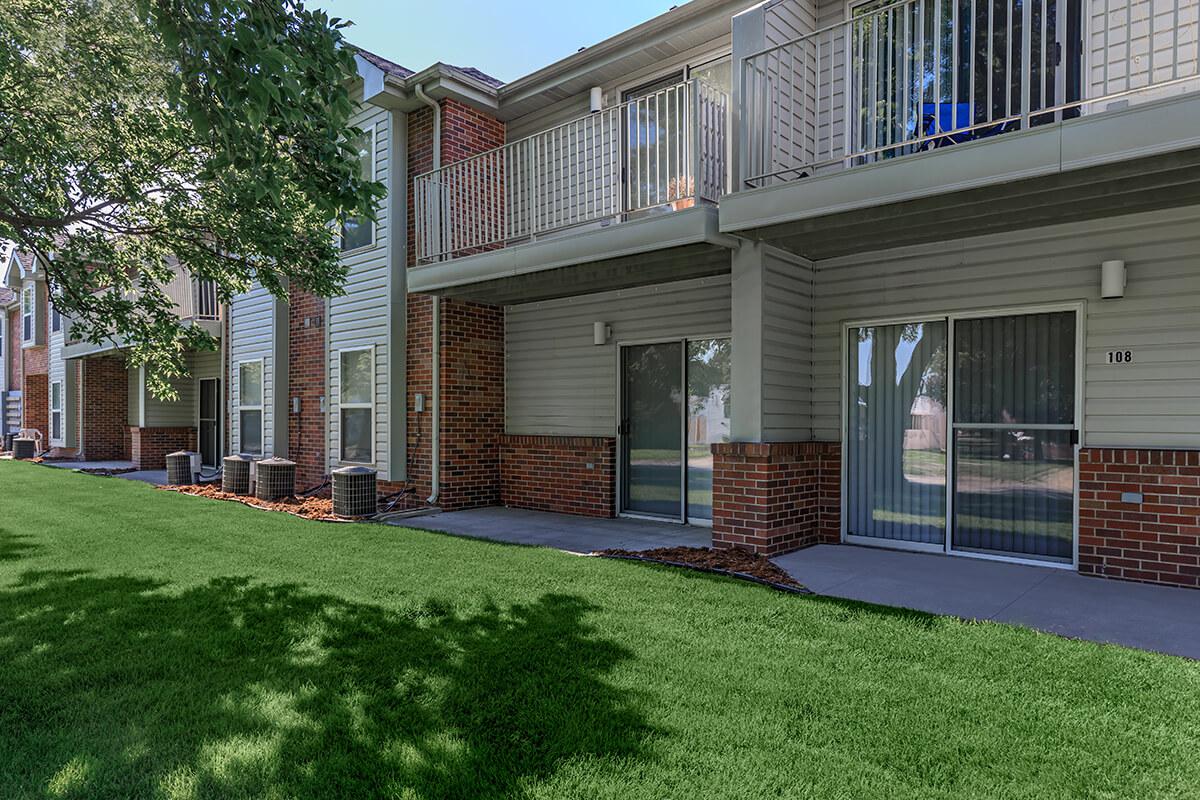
{"x": 55, "y": 320}
{"x": 27, "y": 312}
{"x": 356, "y": 405}
{"x": 250, "y": 407}
{"x": 56, "y": 411}
{"x": 359, "y": 231}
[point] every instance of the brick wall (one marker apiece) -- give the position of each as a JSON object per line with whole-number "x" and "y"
{"x": 472, "y": 341}
{"x": 472, "y": 381}
{"x": 148, "y": 447}
{"x": 306, "y": 380}
{"x": 567, "y": 474}
{"x": 106, "y": 399}
{"x": 35, "y": 404}
{"x": 1157, "y": 540}
{"x": 772, "y": 498}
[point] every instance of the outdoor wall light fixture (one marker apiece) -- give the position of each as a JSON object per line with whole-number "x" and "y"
{"x": 1112, "y": 279}
{"x": 600, "y": 333}
{"x": 596, "y": 98}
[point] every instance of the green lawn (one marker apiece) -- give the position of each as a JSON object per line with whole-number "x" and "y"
{"x": 158, "y": 645}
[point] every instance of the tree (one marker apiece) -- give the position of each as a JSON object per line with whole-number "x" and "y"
{"x": 137, "y": 132}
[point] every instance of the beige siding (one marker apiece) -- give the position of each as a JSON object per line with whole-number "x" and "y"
{"x": 1155, "y": 401}
{"x": 1133, "y": 43}
{"x": 787, "y": 341}
{"x": 359, "y": 317}
{"x": 559, "y": 382}
{"x": 252, "y": 337}
{"x": 178, "y": 413}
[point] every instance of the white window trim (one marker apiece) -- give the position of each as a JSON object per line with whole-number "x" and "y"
{"x": 29, "y": 310}
{"x": 61, "y": 438}
{"x": 370, "y": 404}
{"x": 260, "y": 408}
{"x": 372, "y": 138}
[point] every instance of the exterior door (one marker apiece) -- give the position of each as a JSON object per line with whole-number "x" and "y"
{"x": 652, "y": 429}
{"x": 209, "y": 428}
{"x": 675, "y": 405}
{"x": 896, "y": 435}
{"x": 960, "y": 435}
{"x": 1014, "y": 434}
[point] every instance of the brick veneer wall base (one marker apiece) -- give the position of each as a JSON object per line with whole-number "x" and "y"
{"x": 775, "y": 497}
{"x": 565, "y": 474}
{"x": 105, "y": 409}
{"x": 1155, "y": 541}
{"x": 149, "y": 446}
{"x": 306, "y": 380}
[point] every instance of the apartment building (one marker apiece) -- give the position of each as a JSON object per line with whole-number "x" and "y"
{"x": 83, "y": 400}
{"x": 919, "y": 275}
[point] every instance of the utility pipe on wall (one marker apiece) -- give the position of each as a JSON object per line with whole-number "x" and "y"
{"x": 435, "y": 437}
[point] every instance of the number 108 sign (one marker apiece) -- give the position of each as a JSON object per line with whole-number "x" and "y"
{"x": 1120, "y": 356}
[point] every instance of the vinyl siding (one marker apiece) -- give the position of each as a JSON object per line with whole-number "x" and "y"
{"x": 57, "y": 369}
{"x": 178, "y": 413}
{"x": 558, "y": 382}
{"x": 251, "y": 337}
{"x": 359, "y": 318}
{"x": 1153, "y": 402}
{"x": 787, "y": 340}
{"x": 1162, "y": 46}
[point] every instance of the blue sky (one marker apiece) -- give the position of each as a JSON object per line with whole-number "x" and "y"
{"x": 507, "y": 39}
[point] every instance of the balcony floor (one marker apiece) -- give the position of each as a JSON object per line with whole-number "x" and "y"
{"x": 673, "y": 246}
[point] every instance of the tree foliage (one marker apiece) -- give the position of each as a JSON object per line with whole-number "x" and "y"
{"x": 138, "y": 133}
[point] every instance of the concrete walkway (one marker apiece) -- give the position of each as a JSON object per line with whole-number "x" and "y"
{"x": 1053, "y": 600}
{"x": 561, "y": 531}
{"x": 1058, "y": 601}
{"x": 158, "y": 477}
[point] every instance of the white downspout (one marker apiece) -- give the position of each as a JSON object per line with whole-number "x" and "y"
{"x": 435, "y": 437}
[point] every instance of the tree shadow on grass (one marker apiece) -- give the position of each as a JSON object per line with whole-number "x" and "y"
{"x": 15, "y": 546}
{"x": 116, "y": 687}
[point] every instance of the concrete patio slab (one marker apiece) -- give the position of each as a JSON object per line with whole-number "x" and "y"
{"x": 1158, "y": 618}
{"x": 561, "y": 531}
{"x": 110, "y": 465}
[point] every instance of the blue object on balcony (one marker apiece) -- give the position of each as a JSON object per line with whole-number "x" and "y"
{"x": 953, "y": 120}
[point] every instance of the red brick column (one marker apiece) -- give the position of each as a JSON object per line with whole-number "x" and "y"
{"x": 472, "y": 345}
{"x": 567, "y": 474}
{"x": 306, "y": 380}
{"x": 149, "y": 446}
{"x": 35, "y": 405}
{"x": 1156, "y": 540}
{"x": 775, "y": 497}
{"x": 105, "y": 409}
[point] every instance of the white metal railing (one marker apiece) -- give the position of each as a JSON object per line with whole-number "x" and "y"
{"x": 195, "y": 299}
{"x": 666, "y": 149}
{"x": 903, "y": 77}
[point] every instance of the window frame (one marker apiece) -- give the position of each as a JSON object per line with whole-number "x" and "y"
{"x": 56, "y": 412}
{"x": 370, "y": 172}
{"x": 28, "y": 313}
{"x": 342, "y": 405}
{"x": 260, "y": 407}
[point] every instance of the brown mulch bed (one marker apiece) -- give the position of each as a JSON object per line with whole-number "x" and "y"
{"x": 315, "y": 508}
{"x": 732, "y": 562}
{"x": 102, "y": 471}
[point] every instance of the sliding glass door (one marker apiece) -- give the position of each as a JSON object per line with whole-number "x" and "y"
{"x": 1014, "y": 435}
{"x": 675, "y": 401}
{"x": 967, "y": 422}
{"x": 896, "y": 434}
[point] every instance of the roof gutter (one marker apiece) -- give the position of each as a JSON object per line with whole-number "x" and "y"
{"x": 435, "y": 436}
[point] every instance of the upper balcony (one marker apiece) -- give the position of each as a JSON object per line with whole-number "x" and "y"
{"x": 196, "y": 303}
{"x": 900, "y": 121}
{"x": 605, "y": 189}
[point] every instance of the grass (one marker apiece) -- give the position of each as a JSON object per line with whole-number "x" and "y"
{"x": 158, "y": 645}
